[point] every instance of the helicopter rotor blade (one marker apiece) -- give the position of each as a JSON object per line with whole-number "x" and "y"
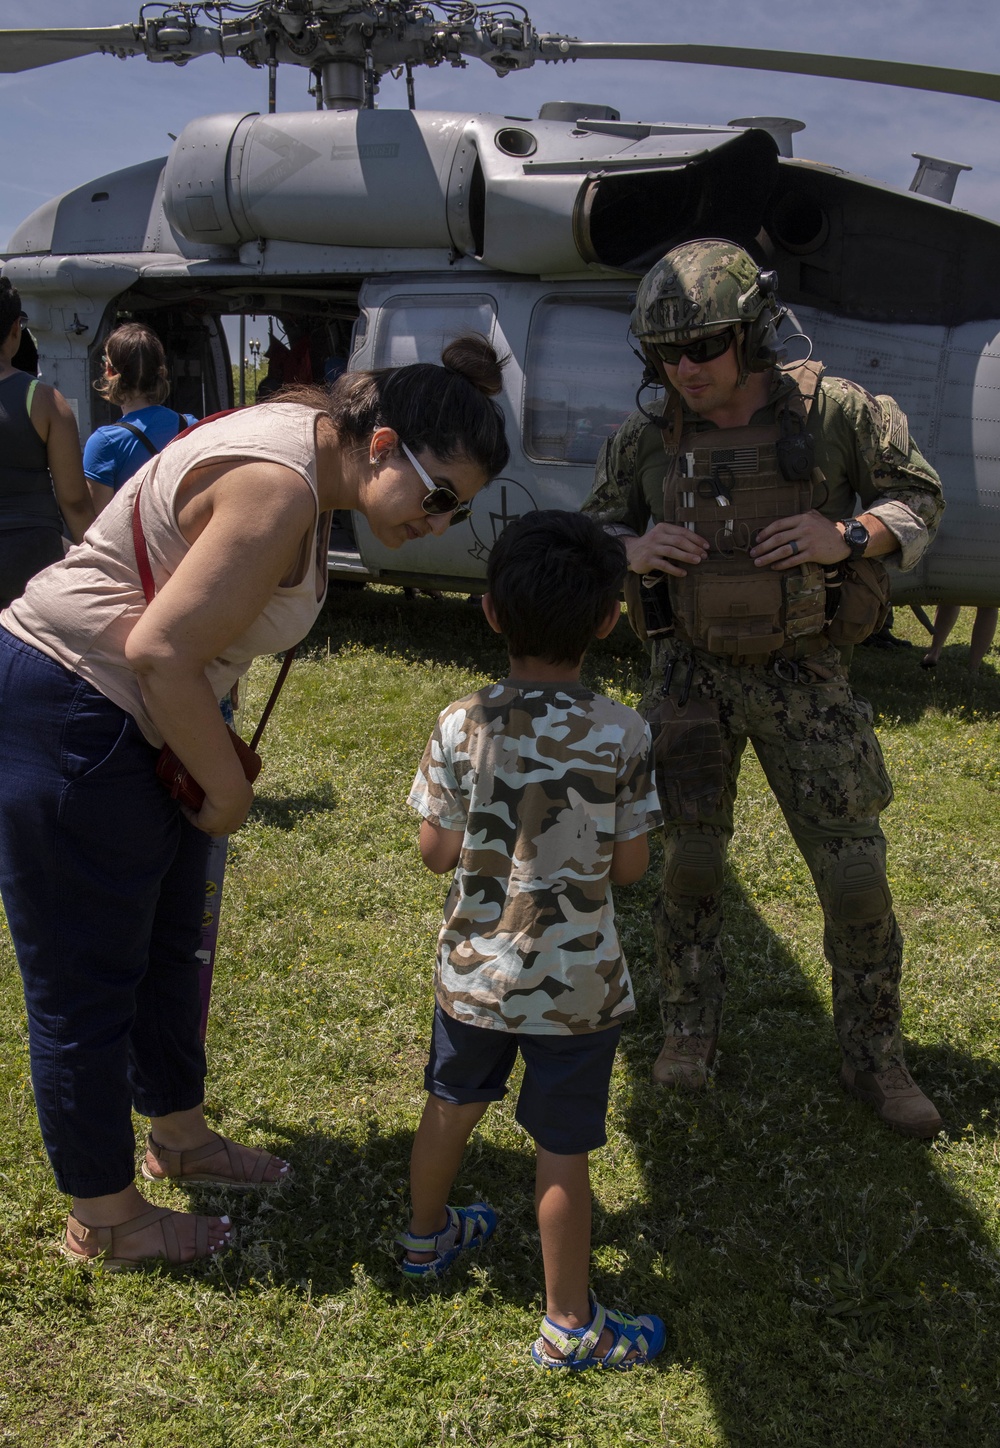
{"x": 979, "y": 84}
{"x": 31, "y": 49}
{"x": 175, "y": 37}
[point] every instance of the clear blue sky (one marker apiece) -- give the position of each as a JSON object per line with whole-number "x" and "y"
{"x": 67, "y": 124}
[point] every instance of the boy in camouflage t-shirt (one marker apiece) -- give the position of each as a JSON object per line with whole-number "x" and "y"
{"x": 538, "y": 794}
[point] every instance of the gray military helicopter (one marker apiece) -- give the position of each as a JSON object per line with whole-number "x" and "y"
{"x": 370, "y": 236}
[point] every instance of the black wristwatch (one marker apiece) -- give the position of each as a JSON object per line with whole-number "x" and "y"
{"x": 856, "y": 537}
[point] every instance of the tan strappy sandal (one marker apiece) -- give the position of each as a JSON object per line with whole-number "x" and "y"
{"x": 108, "y": 1240}
{"x": 182, "y": 1166}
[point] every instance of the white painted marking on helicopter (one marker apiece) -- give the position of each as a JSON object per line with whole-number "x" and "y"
{"x": 294, "y": 156}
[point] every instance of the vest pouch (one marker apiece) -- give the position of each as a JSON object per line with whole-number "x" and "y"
{"x": 864, "y": 602}
{"x": 648, "y": 608}
{"x": 734, "y": 615}
{"x": 805, "y": 600}
{"x": 689, "y": 758}
{"x": 632, "y": 591}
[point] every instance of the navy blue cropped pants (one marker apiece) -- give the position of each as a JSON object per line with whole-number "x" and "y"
{"x": 103, "y": 882}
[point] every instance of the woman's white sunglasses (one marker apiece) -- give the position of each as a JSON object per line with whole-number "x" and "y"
{"x": 439, "y": 499}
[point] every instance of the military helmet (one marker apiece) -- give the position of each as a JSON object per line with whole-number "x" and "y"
{"x": 702, "y": 286}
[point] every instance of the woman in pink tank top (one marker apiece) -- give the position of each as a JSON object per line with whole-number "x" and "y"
{"x": 101, "y": 871}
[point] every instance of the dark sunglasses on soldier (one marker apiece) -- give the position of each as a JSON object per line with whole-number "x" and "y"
{"x": 705, "y": 349}
{"x": 439, "y": 499}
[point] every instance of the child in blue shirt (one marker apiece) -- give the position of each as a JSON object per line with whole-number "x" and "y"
{"x": 135, "y": 379}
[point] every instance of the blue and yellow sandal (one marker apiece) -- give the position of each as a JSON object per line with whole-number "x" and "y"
{"x": 637, "y": 1340}
{"x": 467, "y": 1228}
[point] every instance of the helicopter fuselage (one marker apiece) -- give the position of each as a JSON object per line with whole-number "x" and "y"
{"x": 371, "y": 237}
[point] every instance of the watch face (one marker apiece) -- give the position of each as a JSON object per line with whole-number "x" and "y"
{"x": 856, "y": 536}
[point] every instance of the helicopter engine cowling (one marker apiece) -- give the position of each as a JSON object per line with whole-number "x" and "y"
{"x": 334, "y": 178}
{"x": 529, "y": 197}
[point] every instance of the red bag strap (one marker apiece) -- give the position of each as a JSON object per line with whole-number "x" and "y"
{"x": 141, "y": 551}
{"x": 286, "y": 664}
{"x": 149, "y": 590}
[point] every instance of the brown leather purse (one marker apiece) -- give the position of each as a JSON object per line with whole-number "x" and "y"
{"x": 178, "y": 779}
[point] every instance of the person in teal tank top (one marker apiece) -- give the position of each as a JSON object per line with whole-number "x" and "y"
{"x": 42, "y": 487}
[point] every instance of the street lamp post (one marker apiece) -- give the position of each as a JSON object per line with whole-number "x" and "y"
{"x": 254, "y": 346}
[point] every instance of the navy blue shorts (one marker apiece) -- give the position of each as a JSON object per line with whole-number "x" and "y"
{"x": 563, "y": 1101}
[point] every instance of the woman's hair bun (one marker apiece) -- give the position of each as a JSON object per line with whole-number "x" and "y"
{"x": 473, "y": 358}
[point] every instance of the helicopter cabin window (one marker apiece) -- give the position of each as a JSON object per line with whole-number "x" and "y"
{"x": 417, "y": 329}
{"x": 580, "y": 376}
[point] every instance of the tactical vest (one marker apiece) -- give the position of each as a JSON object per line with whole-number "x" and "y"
{"x": 726, "y": 484}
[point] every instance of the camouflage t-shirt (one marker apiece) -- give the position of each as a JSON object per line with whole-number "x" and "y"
{"x": 542, "y": 780}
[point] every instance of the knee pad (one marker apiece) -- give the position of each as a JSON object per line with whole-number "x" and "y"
{"x": 859, "y": 891}
{"x": 693, "y": 866}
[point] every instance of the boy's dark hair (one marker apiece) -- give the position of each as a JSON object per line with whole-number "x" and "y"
{"x": 554, "y": 577}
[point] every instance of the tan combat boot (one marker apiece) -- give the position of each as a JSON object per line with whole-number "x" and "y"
{"x": 895, "y": 1097}
{"x": 684, "y": 1061}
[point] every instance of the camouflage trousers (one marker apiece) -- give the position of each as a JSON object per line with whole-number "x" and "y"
{"x": 815, "y": 743}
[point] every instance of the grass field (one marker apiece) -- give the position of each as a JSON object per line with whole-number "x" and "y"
{"x": 824, "y": 1281}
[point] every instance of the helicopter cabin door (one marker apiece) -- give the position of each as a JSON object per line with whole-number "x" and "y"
{"x": 569, "y": 383}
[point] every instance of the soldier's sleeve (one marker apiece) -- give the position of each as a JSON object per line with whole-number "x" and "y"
{"x": 617, "y": 496}
{"x": 893, "y": 479}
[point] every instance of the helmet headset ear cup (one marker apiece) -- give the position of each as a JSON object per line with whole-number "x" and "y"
{"x": 760, "y": 342}
{"x": 760, "y": 337}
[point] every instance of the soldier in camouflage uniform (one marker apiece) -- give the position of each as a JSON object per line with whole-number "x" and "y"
{"x": 735, "y": 500}
{"x": 538, "y": 793}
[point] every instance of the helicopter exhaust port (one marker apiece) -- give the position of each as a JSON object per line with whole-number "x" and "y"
{"x": 799, "y": 223}
{"x": 630, "y": 219}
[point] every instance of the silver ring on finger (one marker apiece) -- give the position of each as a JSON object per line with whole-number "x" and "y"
{"x": 794, "y": 547}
